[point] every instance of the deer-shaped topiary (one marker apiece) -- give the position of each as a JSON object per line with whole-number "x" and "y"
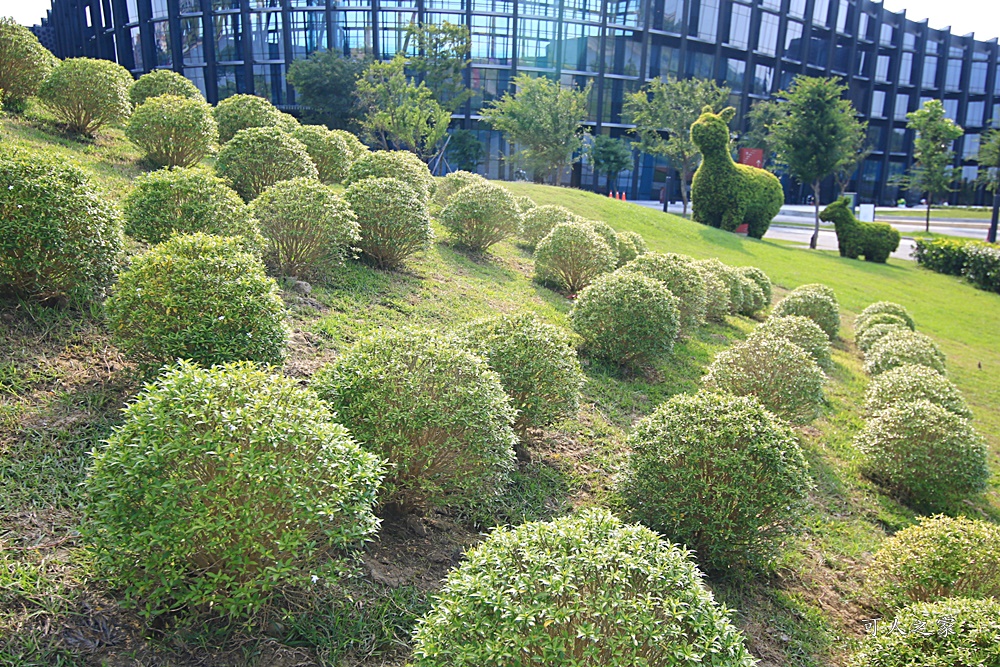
{"x": 725, "y": 194}
{"x": 875, "y": 240}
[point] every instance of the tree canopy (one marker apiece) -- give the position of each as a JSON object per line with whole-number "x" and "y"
{"x": 932, "y": 171}
{"x": 610, "y": 156}
{"x": 442, "y": 57}
{"x": 325, "y": 83}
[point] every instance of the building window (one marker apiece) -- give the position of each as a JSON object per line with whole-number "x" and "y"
{"x": 701, "y": 65}
{"x": 878, "y": 104}
{"x": 159, "y": 8}
{"x": 793, "y": 40}
{"x": 864, "y": 22}
{"x": 953, "y": 77}
{"x": 906, "y": 69}
{"x": 819, "y": 51}
{"x": 771, "y": 4}
{"x": 767, "y": 39}
{"x": 197, "y": 77}
{"x": 970, "y": 147}
{"x": 951, "y": 109}
{"x": 842, "y": 55}
{"x": 762, "y": 79}
{"x": 193, "y": 49}
{"x": 843, "y": 16}
{"x": 735, "y": 70}
{"x": 977, "y": 77}
{"x": 664, "y": 61}
{"x": 268, "y": 42}
{"x": 161, "y": 43}
{"x": 888, "y": 35}
{"x": 821, "y": 12}
{"x": 995, "y": 117}
{"x": 902, "y": 107}
{"x": 797, "y": 8}
{"x": 932, "y": 46}
{"x": 533, "y": 39}
{"x": 491, "y": 39}
{"x": 882, "y": 68}
{"x": 739, "y": 26}
{"x": 862, "y": 60}
{"x": 875, "y": 138}
{"x": 974, "y": 114}
{"x": 929, "y": 79}
{"x": 909, "y": 41}
{"x": 708, "y": 20}
{"x": 897, "y": 140}
{"x": 673, "y": 15}
{"x": 136, "y": 47}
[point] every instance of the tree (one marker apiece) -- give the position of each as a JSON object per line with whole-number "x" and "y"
{"x": 860, "y": 150}
{"x": 400, "y": 115}
{"x": 816, "y": 133}
{"x": 762, "y": 116}
{"x": 466, "y": 150}
{"x": 672, "y": 106}
{"x": 443, "y": 54}
{"x": 932, "y": 172}
{"x": 989, "y": 175}
{"x": 545, "y": 119}
{"x": 325, "y": 83}
{"x": 24, "y": 64}
{"x": 611, "y": 157}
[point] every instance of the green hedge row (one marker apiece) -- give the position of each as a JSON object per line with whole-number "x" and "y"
{"x": 976, "y": 260}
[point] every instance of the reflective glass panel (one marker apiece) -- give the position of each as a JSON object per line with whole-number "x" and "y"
{"x": 819, "y": 51}
{"x": 739, "y": 26}
{"x": 266, "y": 37}
{"x": 878, "y": 103}
{"x": 797, "y": 8}
{"x": 763, "y": 76}
{"x": 228, "y": 38}
{"x": 902, "y": 107}
{"x": 308, "y": 32}
{"x": 977, "y": 77}
{"x": 974, "y": 114}
{"x": 159, "y": 8}
{"x": 192, "y": 43}
{"x": 673, "y": 15}
{"x": 821, "y": 12}
{"x": 269, "y": 82}
{"x": 701, "y": 65}
{"x": 793, "y": 40}
{"x": 623, "y": 53}
{"x": 897, "y": 140}
{"x": 767, "y": 39}
{"x": 161, "y": 43}
{"x": 951, "y": 109}
{"x": 582, "y": 10}
{"x": 663, "y": 61}
{"x": 196, "y": 76}
{"x": 581, "y": 43}
{"x": 970, "y": 147}
{"x": 929, "y": 78}
{"x": 491, "y": 39}
{"x": 843, "y": 15}
{"x": 953, "y": 75}
{"x": 535, "y": 47}
{"x": 708, "y": 20}
{"x": 488, "y": 85}
{"x": 229, "y": 79}
{"x": 735, "y": 71}
{"x": 136, "y": 47}
{"x": 882, "y": 68}
{"x": 906, "y": 69}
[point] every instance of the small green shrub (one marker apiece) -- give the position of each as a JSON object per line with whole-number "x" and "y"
{"x": 763, "y": 282}
{"x": 481, "y": 214}
{"x": 241, "y": 112}
{"x": 779, "y": 373}
{"x": 939, "y": 558}
{"x": 875, "y": 332}
{"x": 525, "y": 203}
{"x": 539, "y": 221}
{"x": 923, "y": 454}
{"x": 223, "y": 484}
{"x": 879, "y": 318}
{"x": 536, "y": 363}
{"x": 308, "y": 226}
{"x": 571, "y": 256}
{"x": 328, "y": 150}
{"x": 451, "y": 184}
{"x": 956, "y": 632}
{"x": 816, "y": 288}
{"x": 630, "y": 246}
{"x": 24, "y": 64}
{"x": 86, "y": 94}
{"x": 945, "y": 256}
{"x": 605, "y": 231}
{"x": 898, "y": 348}
{"x": 355, "y": 148}
{"x": 162, "y": 82}
{"x": 814, "y": 303}
{"x": 173, "y": 131}
{"x": 799, "y": 330}
{"x": 683, "y": 280}
{"x": 60, "y": 239}
{"x": 198, "y": 297}
{"x": 717, "y": 294}
{"x": 982, "y": 266}
{"x": 587, "y": 591}
{"x": 431, "y": 408}
{"x": 718, "y": 473}
{"x": 627, "y": 318}
{"x": 911, "y": 382}
{"x": 882, "y": 308}
{"x": 401, "y": 165}
{"x": 753, "y": 295}
{"x": 730, "y": 278}
{"x": 186, "y": 201}
{"x": 392, "y": 219}
{"x": 257, "y": 158}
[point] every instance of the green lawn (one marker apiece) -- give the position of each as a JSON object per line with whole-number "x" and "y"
{"x": 939, "y": 214}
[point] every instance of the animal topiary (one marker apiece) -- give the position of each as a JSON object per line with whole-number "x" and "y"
{"x": 258, "y": 157}
{"x": 480, "y": 215}
{"x": 875, "y": 240}
{"x": 898, "y": 348}
{"x": 173, "y": 131}
{"x": 800, "y": 330}
{"x": 162, "y": 82}
{"x": 572, "y": 256}
{"x": 683, "y": 280}
{"x": 432, "y": 409}
{"x": 198, "y": 297}
{"x": 815, "y": 302}
{"x": 587, "y": 591}
{"x": 911, "y": 382}
{"x": 392, "y": 219}
{"x": 956, "y": 632}
{"x": 221, "y": 485}
{"x": 24, "y": 64}
{"x": 539, "y": 221}
{"x": 718, "y": 473}
{"x": 923, "y": 454}
{"x": 87, "y": 93}
{"x": 627, "y": 318}
{"x": 941, "y": 557}
{"x": 401, "y": 165}
{"x": 725, "y": 194}
{"x": 240, "y": 112}
{"x": 883, "y": 308}
{"x": 328, "y": 150}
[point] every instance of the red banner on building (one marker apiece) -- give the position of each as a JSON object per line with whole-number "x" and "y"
{"x": 752, "y": 156}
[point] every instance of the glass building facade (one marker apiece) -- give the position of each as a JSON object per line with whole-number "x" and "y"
{"x": 755, "y": 47}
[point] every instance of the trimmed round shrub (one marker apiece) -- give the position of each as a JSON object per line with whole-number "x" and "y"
{"x": 879, "y": 318}
{"x": 481, "y": 214}
{"x": 923, "y": 454}
{"x": 605, "y": 231}
{"x": 799, "y": 330}
{"x": 717, "y": 295}
{"x": 912, "y": 382}
{"x": 401, "y": 165}
{"x": 956, "y": 632}
{"x": 630, "y": 246}
{"x": 355, "y": 148}
{"x": 536, "y": 363}
{"x": 759, "y": 277}
{"x": 241, "y": 112}
{"x": 884, "y": 307}
{"x": 308, "y": 226}
{"x": 392, "y": 220}
{"x": 626, "y": 318}
{"x": 753, "y": 296}
{"x": 899, "y": 348}
{"x": 939, "y": 558}
{"x": 866, "y": 340}
{"x": 257, "y": 158}
{"x": 429, "y": 407}
{"x": 817, "y": 305}
{"x": 777, "y": 372}
{"x": 198, "y": 297}
{"x": 162, "y": 82}
{"x": 173, "y": 131}
{"x": 571, "y": 256}
{"x": 816, "y": 288}
{"x": 683, "y": 280}
{"x": 328, "y": 150}
{"x": 586, "y": 590}
{"x": 730, "y": 278}
{"x": 452, "y": 183}
{"x": 86, "y": 94}
{"x": 525, "y": 203}
{"x": 24, "y": 64}
{"x": 60, "y": 239}
{"x": 223, "y": 484}
{"x": 719, "y": 474}
{"x": 539, "y": 221}
{"x": 185, "y": 201}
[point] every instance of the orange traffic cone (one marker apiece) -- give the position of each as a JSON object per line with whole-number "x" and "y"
{"x": 624, "y": 197}
{"x": 611, "y": 194}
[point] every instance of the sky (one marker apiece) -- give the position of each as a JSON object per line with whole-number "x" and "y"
{"x": 964, "y": 16}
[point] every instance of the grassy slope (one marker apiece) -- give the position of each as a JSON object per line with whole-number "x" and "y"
{"x": 63, "y": 385}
